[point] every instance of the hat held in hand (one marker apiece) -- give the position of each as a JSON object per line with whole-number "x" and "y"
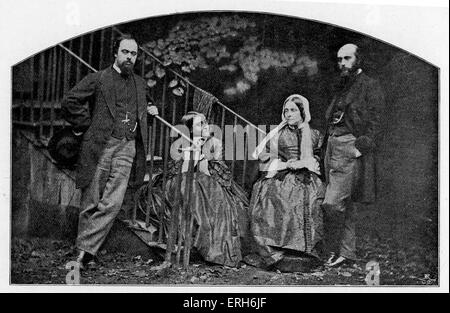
{"x": 64, "y": 147}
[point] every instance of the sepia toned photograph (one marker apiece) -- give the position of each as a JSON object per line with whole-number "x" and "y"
{"x": 225, "y": 148}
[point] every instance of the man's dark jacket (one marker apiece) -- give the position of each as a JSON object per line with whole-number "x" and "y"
{"x": 364, "y": 104}
{"x": 90, "y": 107}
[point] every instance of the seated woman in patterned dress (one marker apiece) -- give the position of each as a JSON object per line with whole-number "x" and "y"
{"x": 217, "y": 200}
{"x": 285, "y": 207}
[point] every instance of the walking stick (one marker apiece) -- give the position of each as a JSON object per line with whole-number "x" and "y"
{"x": 151, "y": 146}
{"x": 190, "y": 204}
{"x": 174, "y": 219}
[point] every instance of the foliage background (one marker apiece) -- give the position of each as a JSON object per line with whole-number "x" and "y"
{"x": 253, "y": 61}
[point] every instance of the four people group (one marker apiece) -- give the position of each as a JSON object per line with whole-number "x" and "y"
{"x": 289, "y": 202}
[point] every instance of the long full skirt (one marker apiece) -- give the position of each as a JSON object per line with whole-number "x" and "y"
{"x": 286, "y": 215}
{"x": 218, "y": 211}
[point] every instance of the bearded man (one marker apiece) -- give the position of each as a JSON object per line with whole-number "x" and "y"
{"x": 109, "y": 109}
{"x": 353, "y": 131}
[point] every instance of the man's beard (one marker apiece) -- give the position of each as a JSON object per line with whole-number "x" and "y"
{"x": 347, "y": 76}
{"x": 126, "y": 69}
{"x": 349, "y": 71}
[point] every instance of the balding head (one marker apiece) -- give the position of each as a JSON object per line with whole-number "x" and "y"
{"x": 349, "y": 48}
{"x": 348, "y": 60}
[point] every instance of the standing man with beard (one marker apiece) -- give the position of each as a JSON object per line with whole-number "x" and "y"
{"x": 353, "y": 129}
{"x": 108, "y": 109}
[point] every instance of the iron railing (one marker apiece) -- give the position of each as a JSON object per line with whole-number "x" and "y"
{"x": 41, "y": 81}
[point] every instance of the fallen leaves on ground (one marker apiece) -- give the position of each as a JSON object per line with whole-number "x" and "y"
{"x": 41, "y": 261}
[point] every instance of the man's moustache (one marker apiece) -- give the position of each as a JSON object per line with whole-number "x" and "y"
{"x": 344, "y": 72}
{"x": 126, "y": 65}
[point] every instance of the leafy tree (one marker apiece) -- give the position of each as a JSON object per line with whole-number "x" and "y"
{"x": 232, "y": 44}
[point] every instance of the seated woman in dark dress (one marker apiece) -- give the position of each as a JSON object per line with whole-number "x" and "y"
{"x": 285, "y": 207}
{"x": 218, "y": 200}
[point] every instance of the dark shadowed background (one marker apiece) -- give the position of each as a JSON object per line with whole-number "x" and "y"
{"x": 252, "y": 62}
{"x": 407, "y": 209}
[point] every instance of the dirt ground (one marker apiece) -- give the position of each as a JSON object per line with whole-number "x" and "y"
{"x": 42, "y": 261}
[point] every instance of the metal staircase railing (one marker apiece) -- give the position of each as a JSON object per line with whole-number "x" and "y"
{"x": 223, "y": 114}
{"x": 43, "y": 79}
{"x": 40, "y": 82}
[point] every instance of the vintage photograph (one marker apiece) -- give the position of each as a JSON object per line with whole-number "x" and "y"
{"x": 224, "y": 147}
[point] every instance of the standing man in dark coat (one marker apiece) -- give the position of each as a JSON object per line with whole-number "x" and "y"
{"x": 353, "y": 129}
{"x": 109, "y": 109}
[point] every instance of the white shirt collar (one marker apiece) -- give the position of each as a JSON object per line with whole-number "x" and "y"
{"x": 116, "y": 68}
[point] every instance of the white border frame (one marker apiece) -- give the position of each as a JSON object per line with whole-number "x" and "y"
{"x": 28, "y": 27}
